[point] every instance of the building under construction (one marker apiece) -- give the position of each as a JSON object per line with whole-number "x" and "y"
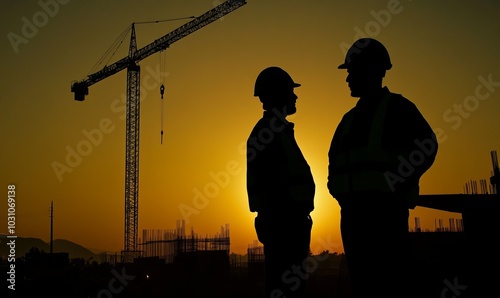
{"x": 171, "y": 243}
{"x": 472, "y": 258}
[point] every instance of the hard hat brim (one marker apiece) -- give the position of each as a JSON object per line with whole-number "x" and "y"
{"x": 295, "y": 85}
{"x": 346, "y": 66}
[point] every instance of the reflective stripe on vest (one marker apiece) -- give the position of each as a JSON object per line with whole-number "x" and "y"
{"x": 355, "y": 178}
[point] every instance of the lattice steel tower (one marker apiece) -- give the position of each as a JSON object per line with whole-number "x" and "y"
{"x": 131, "y": 63}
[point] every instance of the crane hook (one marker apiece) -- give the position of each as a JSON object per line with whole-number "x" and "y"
{"x": 162, "y": 90}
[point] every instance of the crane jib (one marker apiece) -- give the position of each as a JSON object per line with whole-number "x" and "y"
{"x": 80, "y": 88}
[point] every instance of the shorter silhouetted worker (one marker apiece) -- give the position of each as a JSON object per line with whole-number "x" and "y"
{"x": 280, "y": 187}
{"x": 379, "y": 152}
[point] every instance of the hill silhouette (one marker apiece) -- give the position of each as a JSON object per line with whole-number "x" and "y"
{"x": 23, "y": 245}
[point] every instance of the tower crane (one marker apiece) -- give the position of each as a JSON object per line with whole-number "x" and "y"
{"x": 131, "y": 63}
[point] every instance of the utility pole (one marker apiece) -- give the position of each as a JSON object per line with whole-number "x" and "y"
{"x": 51, "y": 227}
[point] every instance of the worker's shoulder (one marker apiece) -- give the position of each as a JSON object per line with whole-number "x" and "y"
{"x": 263, "y": 127}
{"x": 400, "y": 102}
{"x": 262, "y": 123}
{"x": 399, "y": 98}
{"x": 259, "y": 125}
{"x": 348, "y": 114}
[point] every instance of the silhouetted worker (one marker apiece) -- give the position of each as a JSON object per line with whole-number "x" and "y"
{"x": 379, "y": 151}
{"x": 280, "y": 187}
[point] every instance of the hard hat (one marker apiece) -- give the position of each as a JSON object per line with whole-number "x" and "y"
{"x": 367, "y": 52}
{"x": 273, "y": 79}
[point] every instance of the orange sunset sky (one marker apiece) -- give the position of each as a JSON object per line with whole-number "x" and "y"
{"x": 445, "y": 59}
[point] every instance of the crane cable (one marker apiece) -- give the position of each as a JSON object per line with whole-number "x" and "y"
{"x": 167, "y": 20}
{"x": 162, "y": 70}
{"x": 111, "y": 51}
{"x": 162, "y": 91}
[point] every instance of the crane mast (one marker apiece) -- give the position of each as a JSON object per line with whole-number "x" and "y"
{"x": 132, "y": 152}
{"x": 131, "y": 63}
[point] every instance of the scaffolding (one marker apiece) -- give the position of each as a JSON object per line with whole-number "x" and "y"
{"x": 454, "y": 225}
{"x": 167, "y": 244}
{"x": 495, "y": 174}
{"x": 255, "y": 252}
{"x": 471, "y": 187}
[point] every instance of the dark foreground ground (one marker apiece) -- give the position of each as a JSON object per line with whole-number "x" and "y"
{"x": 444, "y": 266}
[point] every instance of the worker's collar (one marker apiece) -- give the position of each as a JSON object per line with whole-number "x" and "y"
{"x": 374, "y": 97}
{"x": 278, "y": 115}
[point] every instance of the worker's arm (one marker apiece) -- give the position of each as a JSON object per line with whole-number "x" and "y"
{"x": 412, "y": 136}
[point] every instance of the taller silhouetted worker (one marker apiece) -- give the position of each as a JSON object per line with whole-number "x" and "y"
{"x": 379, "y": 151}
{"x": 280, "y": 187}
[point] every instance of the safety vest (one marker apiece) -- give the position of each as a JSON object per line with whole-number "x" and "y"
{"x": 364, "y": 169}
{"x": 300, "y": 187}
